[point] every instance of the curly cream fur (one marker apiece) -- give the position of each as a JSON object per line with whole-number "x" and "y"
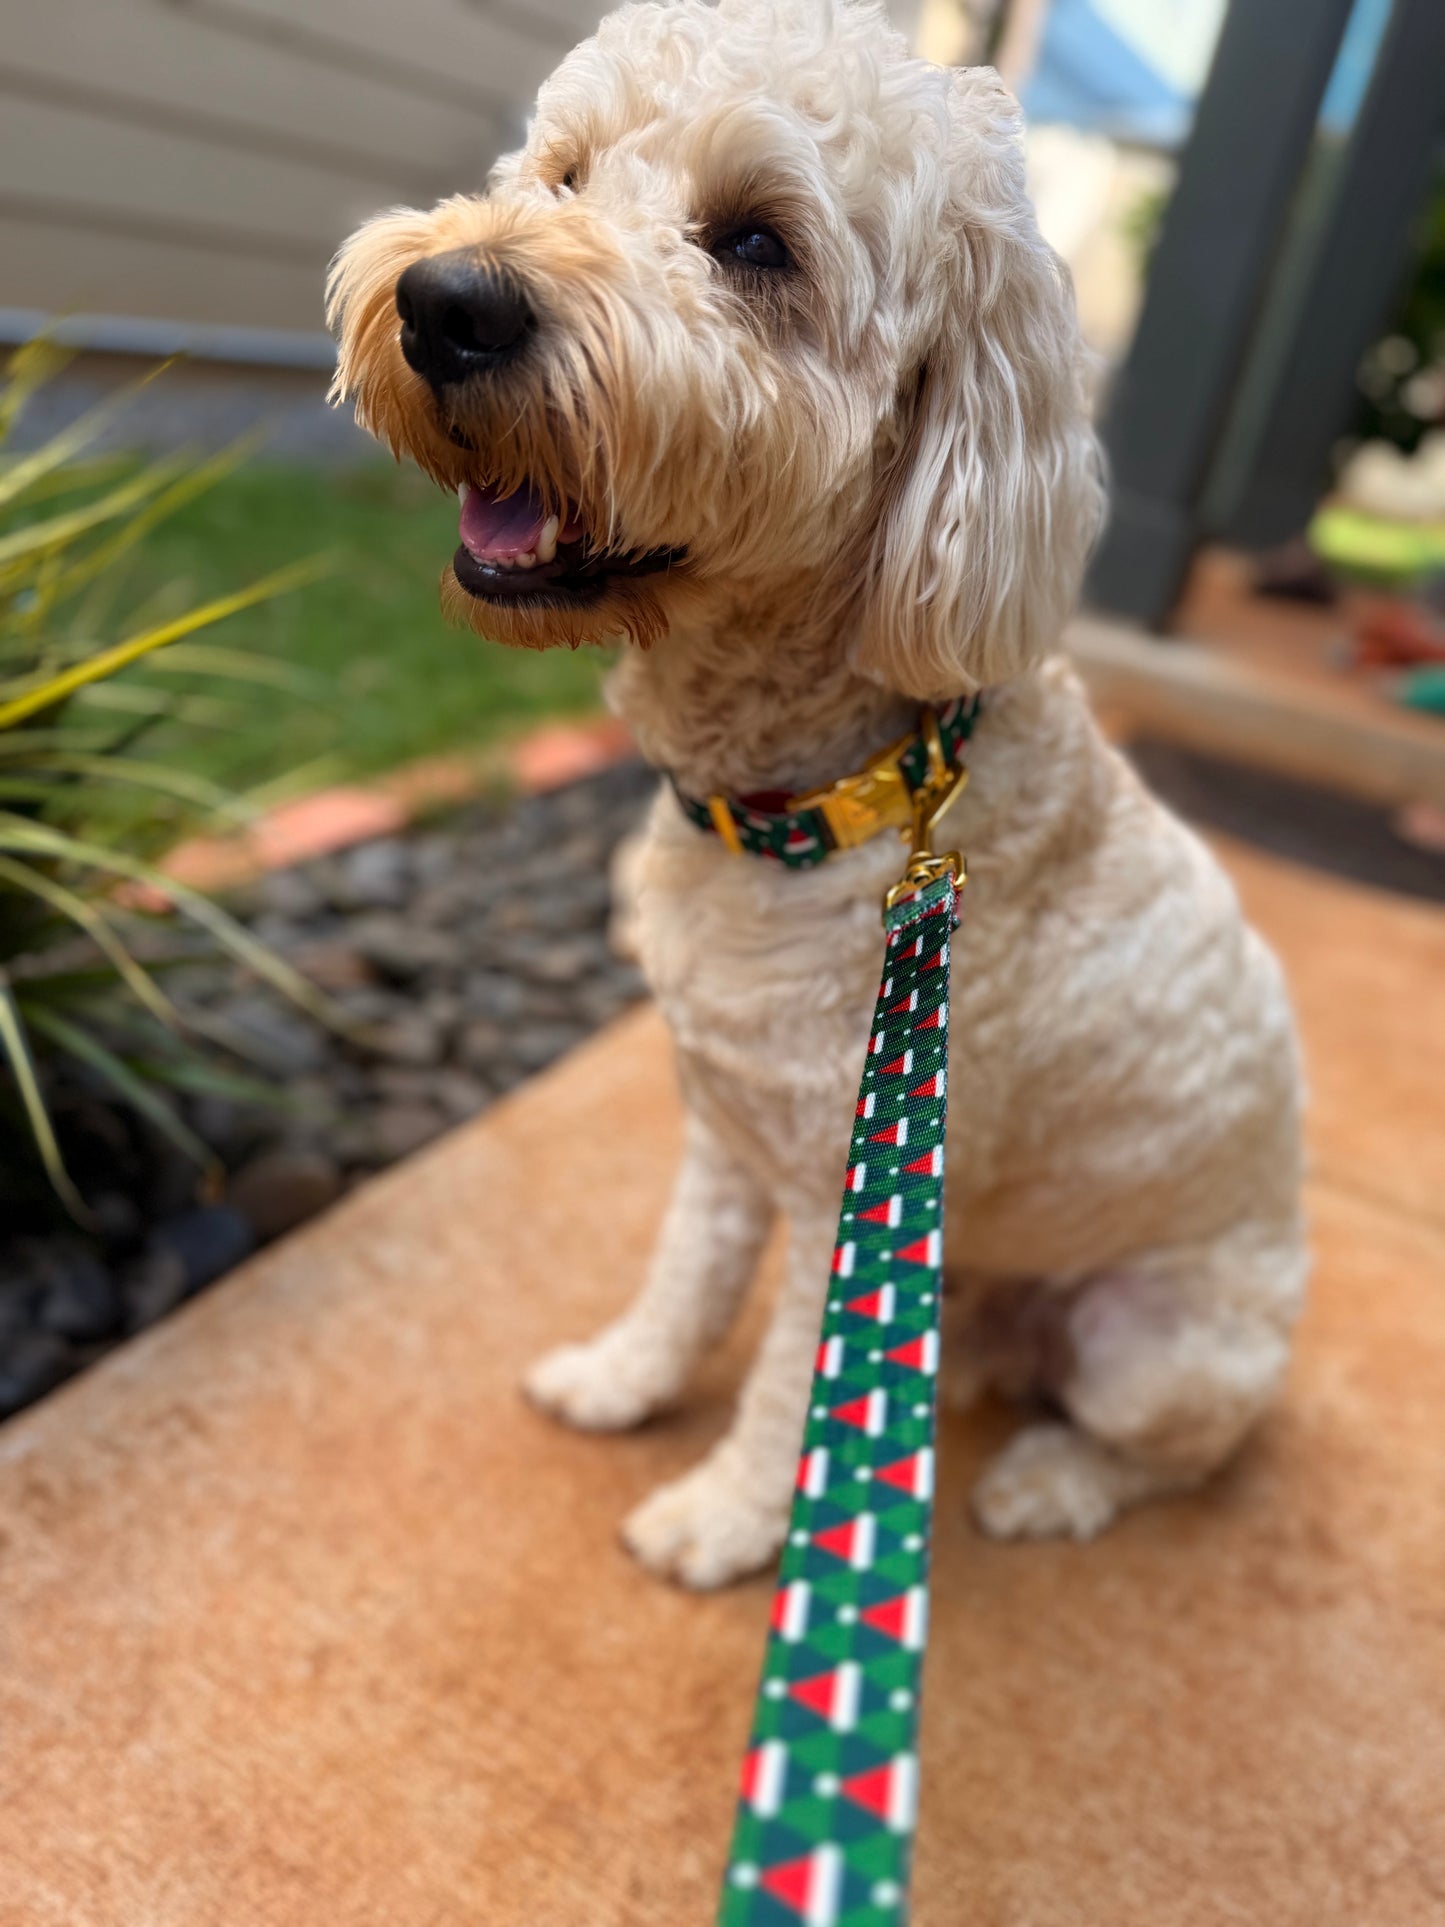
{"x": 882, "y": 475}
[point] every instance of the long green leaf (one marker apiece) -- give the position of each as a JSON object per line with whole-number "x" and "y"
{"x": 116, "y": 1072}
{"x": 37, "y": 839}
{"x": 201, "y": 1079}
{"x": 21, "y": 475}
{"x": 303, "y": 779}
{"x": 187, "y": 487}
{"x": 67, "y": 980}
{"x": 239, "y": 665}
{"x": 183, "y": 785}
{"x": 25, "y": 743}
{"x": 98, "y": 471}
{"x": 108, "y": 661}
{"x": 98, "y": 927}
{"x": 15, "y": 1048}
{"x": 131, "y": 699}
{"x": 26, "y": 789}
{"x": 34, "y": 538}
{"x": 32, "y": 365}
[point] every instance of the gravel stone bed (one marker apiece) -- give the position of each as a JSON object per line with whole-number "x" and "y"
{"x": 469, "y": 954}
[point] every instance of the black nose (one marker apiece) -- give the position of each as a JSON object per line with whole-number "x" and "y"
{"x": 460, "y": 316}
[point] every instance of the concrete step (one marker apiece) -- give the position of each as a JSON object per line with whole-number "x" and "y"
{"x": 306, "y": 1620}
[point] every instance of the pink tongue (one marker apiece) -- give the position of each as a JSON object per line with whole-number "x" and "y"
{"x": 498, "y": 527}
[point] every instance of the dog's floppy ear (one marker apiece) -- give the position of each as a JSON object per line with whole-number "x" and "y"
{"x": 992, "y": 496}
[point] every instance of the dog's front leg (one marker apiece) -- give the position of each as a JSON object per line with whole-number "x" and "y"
{"x": 701, "y": 1269}
{"x": 727, "y": 1517}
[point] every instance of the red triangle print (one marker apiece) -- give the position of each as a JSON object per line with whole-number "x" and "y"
{"x": 868, "y": 1413}
{"x": 898, "y": 1066}
{"x": 816, "y": 1694}
{"x": 910, "y": 1002}
{"x": 878, "y": 1304}
{"x": 889, "y": 1791}
{"x": 854, "y": 1543}
{"x": 933, "y": 1021}
{"x": 930, "y": 1164}
{"x": 933, "y": 1087}
{"x": 832, "y": 1696}
{"x": 927, "y": 1250}
{"x": 890, "y": 1212}
{"x": 811, "y": 1887}
{"x": 891, "y": 1133}
{"x": 904, "y": 1618}
{"x": 913, "y": 1475}
{"x": 919, "y": 1354}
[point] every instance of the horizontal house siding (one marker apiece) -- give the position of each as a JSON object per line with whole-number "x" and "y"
{"x": 199, "y": 160}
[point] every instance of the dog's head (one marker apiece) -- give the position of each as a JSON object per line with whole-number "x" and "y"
{"x": 758, "y": 317}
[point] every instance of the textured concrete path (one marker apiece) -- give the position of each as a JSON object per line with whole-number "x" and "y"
{"x": 307, "y": 1621}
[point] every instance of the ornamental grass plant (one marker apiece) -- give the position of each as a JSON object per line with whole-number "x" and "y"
{"x": 91, "y": 929}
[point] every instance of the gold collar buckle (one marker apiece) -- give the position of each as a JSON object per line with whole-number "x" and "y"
{"x": 857, "y": 807}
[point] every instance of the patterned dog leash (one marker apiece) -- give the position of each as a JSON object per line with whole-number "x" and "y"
{"x": 827, "y": 1806}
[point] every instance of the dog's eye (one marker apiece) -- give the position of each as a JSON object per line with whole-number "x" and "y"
{"x": 753, "y": 246}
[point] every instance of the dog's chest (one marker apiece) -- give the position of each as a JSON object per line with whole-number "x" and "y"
{"x": 767, "y": 979}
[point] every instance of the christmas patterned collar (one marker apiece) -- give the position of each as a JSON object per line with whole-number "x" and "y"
{"x": 799, "y": 831}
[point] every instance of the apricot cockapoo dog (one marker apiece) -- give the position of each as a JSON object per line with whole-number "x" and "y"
{"x": 753, "y": 358}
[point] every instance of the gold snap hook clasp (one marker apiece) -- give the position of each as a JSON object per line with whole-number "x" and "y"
{"x": 932, "y": 800}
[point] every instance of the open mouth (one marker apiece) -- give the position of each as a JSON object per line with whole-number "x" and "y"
{"x": 515, "y": 550}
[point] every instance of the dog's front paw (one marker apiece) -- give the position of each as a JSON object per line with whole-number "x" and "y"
{"x": 1049, "y": 1482}
{"x": 601, "y": 1387}
{"x": 707, "y": 1528}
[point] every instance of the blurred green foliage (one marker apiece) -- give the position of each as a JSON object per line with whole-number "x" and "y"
{"x": 386, "y": 679}
{"x": 88, "y": 798}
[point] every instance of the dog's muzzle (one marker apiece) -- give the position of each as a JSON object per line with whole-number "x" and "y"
{"x": 466, "y": 319}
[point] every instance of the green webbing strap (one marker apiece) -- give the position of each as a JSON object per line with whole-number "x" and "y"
{"x": 825, "y": 1817}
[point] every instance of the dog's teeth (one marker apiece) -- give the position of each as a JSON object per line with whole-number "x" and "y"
{"x": 502, "y": 562}
{"x": 464, "y": 489}
{"x": 528, "y": 561}
{"x": 547, "y": 544}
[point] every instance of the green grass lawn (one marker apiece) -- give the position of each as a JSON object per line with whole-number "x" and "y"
{"x": 383, "y": 678}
